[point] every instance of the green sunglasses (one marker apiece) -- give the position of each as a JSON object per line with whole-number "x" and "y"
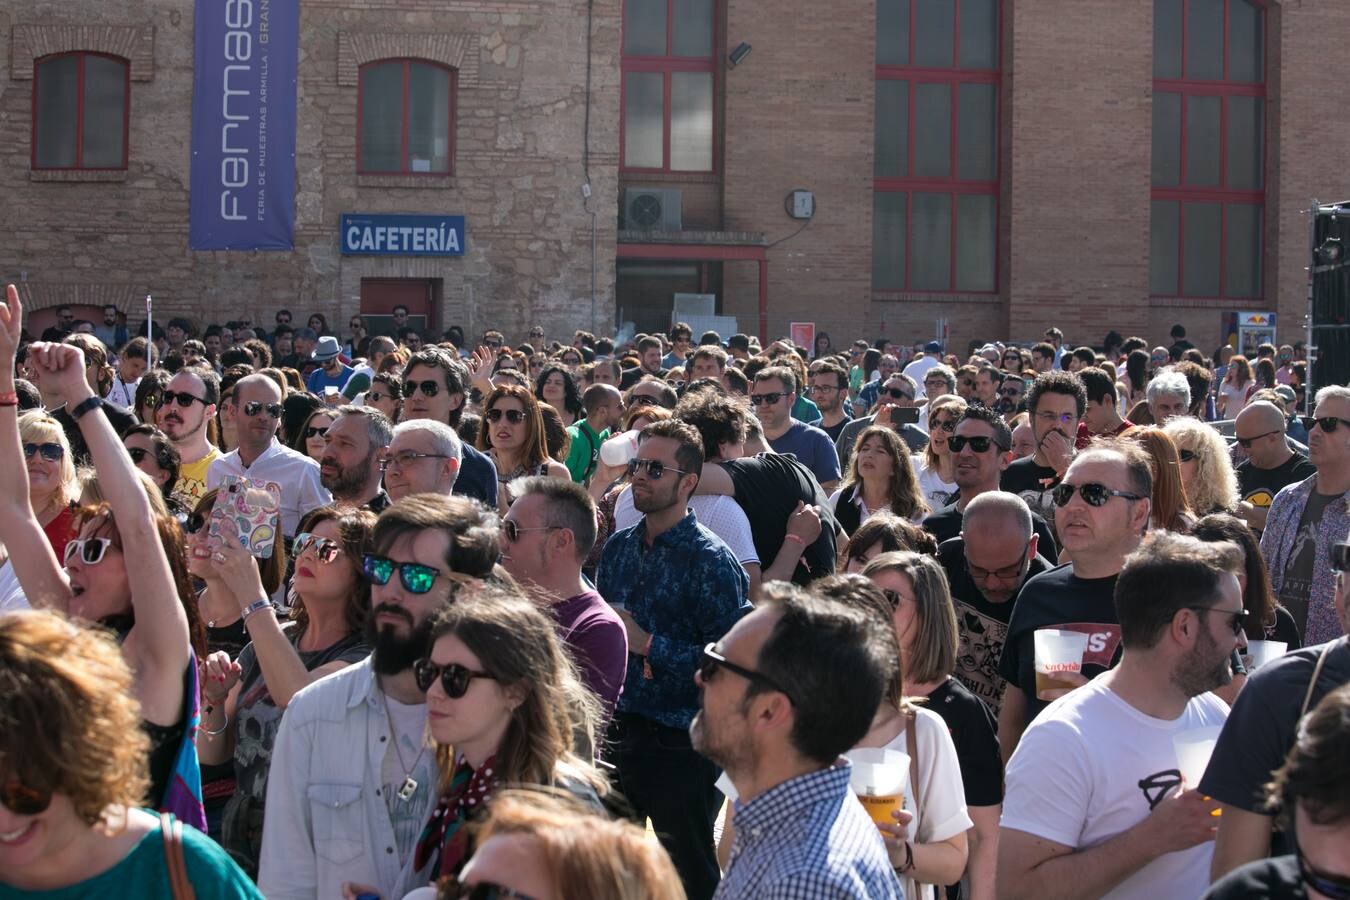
{"x": 417, "y": 578}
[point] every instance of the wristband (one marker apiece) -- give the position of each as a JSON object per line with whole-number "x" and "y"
{"x": 85, "y": 406}
{"x": 9, "y": 399}
{"x": 255, "y": 606}
{"x": 795, "y": 538}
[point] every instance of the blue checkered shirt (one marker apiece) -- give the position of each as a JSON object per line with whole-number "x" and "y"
{"x": 808, "y": 839}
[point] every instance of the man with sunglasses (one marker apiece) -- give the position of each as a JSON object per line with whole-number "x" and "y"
{"x": 1104, "y": 510}
{"x": 772, "y": 399}
{"x": 434, "y": 387}
{"x": 256, "y": 406}
{"x": 1095, "y": 798}
{"x": 1307, "y": 518}
{"x": 1057, "y": 402}
{"x": 353, "y": 781}
{"x": 1271, "y": 464}
{"x": 186, "y": 407}
{"x": 677, "y": 587}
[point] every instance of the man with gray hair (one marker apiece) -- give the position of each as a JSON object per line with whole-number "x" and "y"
{"x": 422, "y": 458}
{"x": 995, "y": 554}
{"x": 1169, "y": 396}
{"x": 350, "y": 466}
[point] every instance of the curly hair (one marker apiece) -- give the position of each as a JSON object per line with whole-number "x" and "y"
{"x": 69, "y": 723}
{"x": 572, "y": 404}
{"x": 1214, "y": 488}
{"x": 906, "y": 500}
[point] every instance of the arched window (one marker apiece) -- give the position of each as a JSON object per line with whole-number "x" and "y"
{"x": 406, "y": 118}
{"x": 80, "y": 111}
{"x": 1208, "y": 148}
{"x": 936, "y": 165}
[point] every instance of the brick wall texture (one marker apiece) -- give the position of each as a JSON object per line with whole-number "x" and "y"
{"x": 1075, "y": 121}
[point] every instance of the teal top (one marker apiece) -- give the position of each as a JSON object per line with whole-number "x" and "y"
{"x": 143, "y": 874}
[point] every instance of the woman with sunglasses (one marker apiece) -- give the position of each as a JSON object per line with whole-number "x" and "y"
{"x": 126, "y": 569}
{"x": 148, "y": 390}
{"x": 1170, "y": 510}
{"x": 311, "y": 438}
{"x": 385, "y": 394}
{"x": 512, "y": 433}
{"x": 73, "y": 775}
{"x": 1207, "y": 474}
{"x": 935, "y": 467}
{"x": 879, "y": 478}
{"x": 245, "y": 697}
{"x": 556, "y": 387}
{"x": 155, "y": 455}
{"x": 52, "y": 485}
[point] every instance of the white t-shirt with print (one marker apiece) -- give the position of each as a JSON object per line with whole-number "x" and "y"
{"x": 1092, "y": 766}
{"x": 936, "y": 492}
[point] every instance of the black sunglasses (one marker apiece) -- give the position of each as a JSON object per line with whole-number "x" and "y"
{"x": 454, "y": 677}
{"x": 429, "y": 388}
{"x": 1238, "y": 619}
{"x": 514, "y": 416}
{"x": 1187, "y": 455}
{"x": 483, "y": 890}
{"x": 1326, "y": 423}
{"x": 897, "y": 394}
{"x": 22, "y": 800}
{"x": 766, "y": 399}
{"x": 1093, "y": 494}
{"x": 182, "y": 398}
{"x": 194, "y": 523}
{"x": 417, "y": 578}
{"x": 978, "y": 444}
{"x": 653, "y": 468}
{"x": 253, "y": 407}
{"x": 643, "y": 400}
{"x": 52, "y": 452}
{"x": 1246, "y": 442}
{"x": 316, "y": 431}
{"x": 712, "y": 661}
{"x": 947, "y": 425}
{"x": 1337, "y": 887}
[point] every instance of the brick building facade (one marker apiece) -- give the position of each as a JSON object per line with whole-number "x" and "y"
{"x": 1048, "y": 216}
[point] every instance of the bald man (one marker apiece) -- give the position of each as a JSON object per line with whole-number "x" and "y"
{"x": 1271, "y": 463}
{"x": 604, "y": 409}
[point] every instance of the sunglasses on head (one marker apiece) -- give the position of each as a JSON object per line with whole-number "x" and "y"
{"x": 1246, "y": 442}
{"x": 89, "y": 551}
{"x": 22, "y": 800}
{"x": 1238, "y": 620}
{"x": 52, "y": 452}
{"x": 428, "y": 388}
{"x": 182, "y": 398}
{"x": 514, "y": 416}
{"x": 454, "y": 677}
{"x": 1326, "y": 423}
{"x": 977, "y": 444}
{"x": 416, "y": 578}
{"x": 325, "y": 550}
{"x": 1093, "y": 494}
{"x": 653, "y": 468}
{"x": 253, "y": 407}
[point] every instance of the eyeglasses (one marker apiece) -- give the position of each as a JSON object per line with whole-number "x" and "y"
{"x": 1336, "y": 887}
{"x": 514, "y": 416}
{"x": 273, "y": 410}
{"x": 822, "y": 389}
{"x": 977, "y": 444}
{"x": 947, "y": 425}
{"x": 138, "y": 454}
{"x": 316, "y": 431}
{"x": 1340, "y": 557}
{"x": 1056, "y": 418}
{"x": 182, "y": 398}
{"x": 766, "y": 399}
{"x": 417, "y": 578}
{"x": 1326, "y": 423}
{"x": 428, "y": 388}
{"x": 1246, "y": 442}
{"x": 52, "y": 452}
{"x": 1010, "y": 391}
{"x": 712, "y": 661}
{"x": 513, "y": 530}
{"x": 1093, "y": 494}
{"x": 325, "y": 550}
{"x": 483, "y": 890}
{"x": 1238, "y": 619}
{"x": 22, "y": 800}
{"x": 1006, "y": 573}
{"x": 897, "y": 394}
{"x": 454, "y": 677}
{"x": 1187, "y": 455}
{"x": 89, "y": 551}
{"x": 406, "y": 458}
{"x": 653, "y": 468}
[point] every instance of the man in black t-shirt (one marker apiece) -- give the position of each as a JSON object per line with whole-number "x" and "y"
{"x": 828, "y": 389}
{"x": 1057, "y": 402}
{"x": 986, "y": 567}
{"x": 1271, "y": 463}
{"x": 1104, "y": 510}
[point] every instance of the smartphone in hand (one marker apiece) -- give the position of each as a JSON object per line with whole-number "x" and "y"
{"x": 249, "y": 512}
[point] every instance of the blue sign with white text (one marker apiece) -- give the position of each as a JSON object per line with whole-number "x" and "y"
{"x": 243, "y": 125}
{"x": 398, "y": 235}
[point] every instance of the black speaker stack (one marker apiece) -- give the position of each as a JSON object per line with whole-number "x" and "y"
{"x": 1331, "y": 294}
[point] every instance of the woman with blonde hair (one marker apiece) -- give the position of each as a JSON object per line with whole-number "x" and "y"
{"x": 52, "y": 482}
{"x": 879, "y": 477}
{"x": 1207, "y": 474}
{"x": 512, "y": 433}
{"x": 935, "y": 467}
{"x": 73, "y": 775}
{"x": 1170, "y": 509}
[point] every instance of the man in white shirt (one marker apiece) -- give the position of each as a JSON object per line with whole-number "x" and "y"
{"x": 353, "y": 779}
{"x": 1096, "y": 804}
{"x": 186, "y": 408}
{"x": 256, "y": 404}
{"x": 932, "y": 356}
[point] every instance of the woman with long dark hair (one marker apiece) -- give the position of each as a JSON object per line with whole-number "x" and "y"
{"x": 155, "y": 455}
{"x": 879, "y": 477}
{"x": 1238, "y": 385}
{"x": 1133, "y": 385}
{"x": 556, "y": 387}
{"x": 512, "y": 432}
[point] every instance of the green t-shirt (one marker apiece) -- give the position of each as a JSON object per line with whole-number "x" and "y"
{"x": 143, "y": 874}
{"x": 585, "y": 450}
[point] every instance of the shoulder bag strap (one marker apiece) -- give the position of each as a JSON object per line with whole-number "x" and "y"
{"x": 595, "y": 450}
{"x": 1317, "y": 673}
{"x": 172, "y": 831}
{"x": 912, "y": 747}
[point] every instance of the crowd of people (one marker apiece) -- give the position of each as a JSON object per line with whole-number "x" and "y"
{"x": 394, "y": 616}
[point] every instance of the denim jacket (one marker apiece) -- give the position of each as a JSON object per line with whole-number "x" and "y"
{"x": 1277, "y": 543}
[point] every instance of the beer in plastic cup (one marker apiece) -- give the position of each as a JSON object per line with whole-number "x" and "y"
{"x": 1261, "y": 652}
{"x": 1194, "y": 748}
{"x": 1057, "y": 651}
{"x": 878, "y": 779}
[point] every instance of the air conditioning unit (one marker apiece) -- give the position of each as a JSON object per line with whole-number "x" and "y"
{"x": 647, "y": 209}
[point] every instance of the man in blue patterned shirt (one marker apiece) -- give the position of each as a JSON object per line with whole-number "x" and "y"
{"x": 791, "y": 687}
{"x": 677, "y": 587}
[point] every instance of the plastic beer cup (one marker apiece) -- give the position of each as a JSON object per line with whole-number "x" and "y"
{"x": 1057, "y": 651}
{"x": 878, "y": 779}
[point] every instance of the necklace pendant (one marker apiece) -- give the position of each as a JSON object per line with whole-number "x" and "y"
{"x": 409, "y": 788}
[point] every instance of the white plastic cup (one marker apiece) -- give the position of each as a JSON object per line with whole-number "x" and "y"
{"x": 1057, "y": 651}
{"x": 878, "y": 778}
{"x": 618, "y": 450}
{"x": 1194, "y": 748}
{"x": 1261, "y": 652}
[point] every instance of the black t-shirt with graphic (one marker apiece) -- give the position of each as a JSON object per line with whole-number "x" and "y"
{"x": 1033, "y": 483}
{"x": 1259, "y": 486}
{"x": 974, "y": 732}
{"x": 1059, "y": 599}
{"x": 1296, "y": 587}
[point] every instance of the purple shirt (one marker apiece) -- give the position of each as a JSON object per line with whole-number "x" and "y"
{"x": 598, "y": 642}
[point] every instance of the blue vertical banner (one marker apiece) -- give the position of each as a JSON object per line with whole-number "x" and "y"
{"x": 243, "y": 125}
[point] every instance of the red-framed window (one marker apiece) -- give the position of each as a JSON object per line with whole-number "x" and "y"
{"x": 81, "y": 107}
{"x": 936, "y": 170}
{"x": 1209, "y": 107}
{"x": 405, "y": 113}
{"x": 669, "y": 82}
